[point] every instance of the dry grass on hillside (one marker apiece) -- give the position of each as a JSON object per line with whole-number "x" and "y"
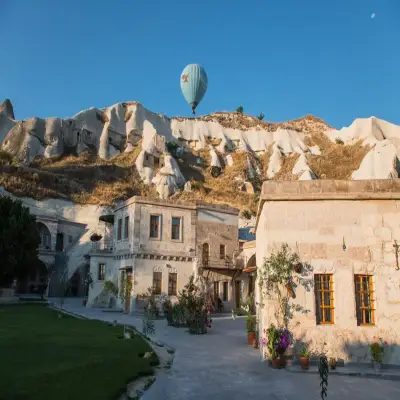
{"x": 287, "y": 165}
{"x": 85, "y": 179}
{"x": 337, "y": 161}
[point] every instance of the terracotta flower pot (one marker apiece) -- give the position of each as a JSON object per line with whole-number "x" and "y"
{"x": 84, "y": 301}
{"x": 276, "y": 363}
{"x": 305, "y": 362}
{"x": 251, "y": 336}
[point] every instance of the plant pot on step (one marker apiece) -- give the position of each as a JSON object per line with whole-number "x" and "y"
{"x": 332, "y": 363}
{"x": 251, "y": 337}
{"x": 305, "y": 362}
{"x": 276, "y": 363}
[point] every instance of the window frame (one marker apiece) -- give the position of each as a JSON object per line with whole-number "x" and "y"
{"x": 119, "y": 229}
{"x": 320, "y": 309}
{"x": 171, "y": 283}
{"x": 158, "y": 274}
{"x": 101, "y": 272}
{"x": 159, "y": 227}
{"x": 222, "y": 256}
{"x": 126, "y": 227}
{"x": 180, "y": 228}
{"x": 362, "y": 308}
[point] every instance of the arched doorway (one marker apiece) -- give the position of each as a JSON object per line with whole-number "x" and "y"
{"x": 45, "y": 236}
{"x": 206, "y": 254}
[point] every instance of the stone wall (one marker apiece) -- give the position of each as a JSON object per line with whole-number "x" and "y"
{"x": 343, "y": 229}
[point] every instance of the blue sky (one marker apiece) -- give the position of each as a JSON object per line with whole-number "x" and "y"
{"x": 285, "y": 58}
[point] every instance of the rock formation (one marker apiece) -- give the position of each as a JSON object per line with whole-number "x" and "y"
{"x": 124, "y": 127}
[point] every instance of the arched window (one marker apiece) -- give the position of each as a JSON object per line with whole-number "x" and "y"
{"x": 206, "y": 254}
{"x": 45, "y": 237}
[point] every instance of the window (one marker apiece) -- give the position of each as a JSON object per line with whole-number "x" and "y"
{"x": 45, "y": 240}
{"x": 154, "y": 226}
{"x": 102, "y": 271}
{"x": 176, "y": 228}
{"x": 365, "y": 305}
{"x": 126, "y": 228}
{"x": 205, "y": 254}
{"x": 172, "y": 280}
{"x": 324, "y": 299}
{"x": 157, "y": 278}
{"x": 119, "y": 231}
{"x": 225, "y": 291}
{"x": 221, "y": 251}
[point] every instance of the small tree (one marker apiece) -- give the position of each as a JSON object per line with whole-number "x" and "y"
{"x": 240, "y": 110}
{"x": 261, "y": 116}
{"x": 276, "y": 281}
{"x": 19, "y": 241}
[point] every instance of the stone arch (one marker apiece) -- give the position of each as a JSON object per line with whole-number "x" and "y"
{"x": 45, "y": 236}
{"x": 251, "y": 262}
{"x": 157, "y": 269}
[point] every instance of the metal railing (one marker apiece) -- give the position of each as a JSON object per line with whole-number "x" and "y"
{"x": 225, "y": 262}
{"x": 106, "y": 245}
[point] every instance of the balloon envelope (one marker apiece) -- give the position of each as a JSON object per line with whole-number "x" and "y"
{"x": 194, "y": 83}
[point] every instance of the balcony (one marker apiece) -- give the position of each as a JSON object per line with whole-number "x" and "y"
{"x": 105, "y": 245}
{"x": 226, "y": 263}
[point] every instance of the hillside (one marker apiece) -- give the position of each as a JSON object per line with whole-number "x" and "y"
{"x": 100, "y": 156}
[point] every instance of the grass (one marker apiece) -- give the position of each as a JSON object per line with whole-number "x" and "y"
{"x": 46, "y": 358}
{"x": 337, "y": 160}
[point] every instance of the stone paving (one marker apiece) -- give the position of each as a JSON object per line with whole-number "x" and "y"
{"x": 220, "y": 365}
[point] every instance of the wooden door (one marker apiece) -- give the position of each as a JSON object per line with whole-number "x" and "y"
{"x": 128, "y": 294}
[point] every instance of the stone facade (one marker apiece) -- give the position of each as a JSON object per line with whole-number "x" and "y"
{"x": 343, "y": 229}
{"x": 139, "y": 252}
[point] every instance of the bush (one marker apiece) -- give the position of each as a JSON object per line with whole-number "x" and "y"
{"x": 111, "y": 287}
{"x": 251, "y": 323}
{"x": 339, "y": 141}
{"x": 171, "y": 147}
{"x": 246, "y": 214}
{"x": 261, "y": 116}
{"x": 240, "y": 110}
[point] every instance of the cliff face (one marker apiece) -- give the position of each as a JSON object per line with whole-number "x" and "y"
{"x": 125, "y": 146}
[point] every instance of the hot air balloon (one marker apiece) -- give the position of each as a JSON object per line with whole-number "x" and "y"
{"x": 194, "y": 84}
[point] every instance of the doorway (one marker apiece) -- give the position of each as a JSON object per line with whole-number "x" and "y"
{"x": 60, "y": 242}
{"x": 238, "y": 294}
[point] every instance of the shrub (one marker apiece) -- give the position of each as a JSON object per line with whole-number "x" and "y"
{"x": 251, "y": 323}
{"x": 246, "y": 214}
{"x": 339, "y": 141}
{"x": 261, "y": 116}
{"x": 240, "y": 110}
{"x": 171, "y": 147}
{"x": 111, "y": 287}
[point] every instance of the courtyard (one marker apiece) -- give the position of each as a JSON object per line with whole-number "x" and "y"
{"x": 220, "y": 365}
{"x": 46, "y": 357}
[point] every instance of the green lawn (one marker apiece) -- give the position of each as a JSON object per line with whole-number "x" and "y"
{"x": 46, "y": 358}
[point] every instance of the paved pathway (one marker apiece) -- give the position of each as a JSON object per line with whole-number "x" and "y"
{"x": 220, "y": 365}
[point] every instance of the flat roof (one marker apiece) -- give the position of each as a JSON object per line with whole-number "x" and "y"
{"x": 195, "y": 205}
{"x": 327, "y": 189}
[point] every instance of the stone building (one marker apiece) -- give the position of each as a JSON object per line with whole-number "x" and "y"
{"x": 57, "y": 236}
{"x": 159, "y": 244}
{"x": 346, "y": 234}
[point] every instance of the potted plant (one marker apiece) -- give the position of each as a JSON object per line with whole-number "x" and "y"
{"x": 282, "y": 344}
{"x": 304, "y": 354}
{"x": 332, "y": 363}
{"x": 96, "y": 237}
{"x": 297, "y": 267}
{"x": 251, "y": 323}
{"x": 377, "y": 352}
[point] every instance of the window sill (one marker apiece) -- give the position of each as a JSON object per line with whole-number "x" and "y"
{"x": 155, "y": 239}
